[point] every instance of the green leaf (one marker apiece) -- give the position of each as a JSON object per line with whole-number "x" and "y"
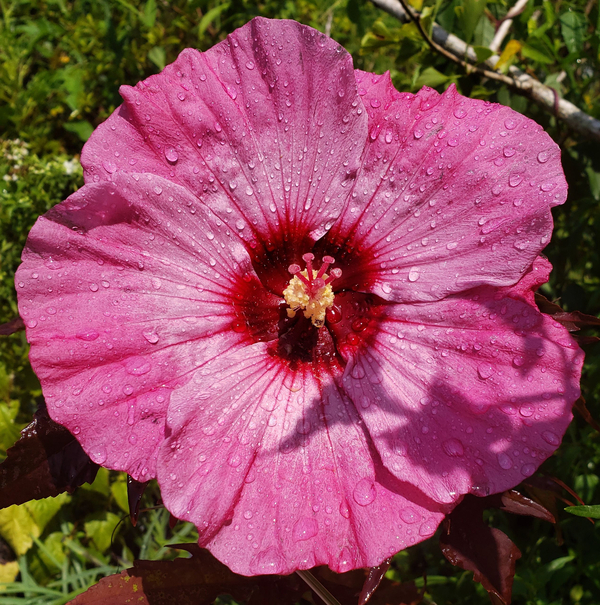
{"x": 119, "y": 491}
{"x": 535, "y": 55}
{"x": 20, "y": 524}
{"x": 82, "y": 128}
{"x": 573, "y": 27}
{"x": 483, "y": 53}
{"x": 100, "y": 530}
{"x": 591, "y": 511}
{"x": 158, "y": 56}
{"x": 431, "y": 77}
{"x": 469, "y": 13}
{"x": 149, "y": 15}
{"x": 210, "y": 16}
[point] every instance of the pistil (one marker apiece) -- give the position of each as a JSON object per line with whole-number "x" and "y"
{"x": 310, "y": 290}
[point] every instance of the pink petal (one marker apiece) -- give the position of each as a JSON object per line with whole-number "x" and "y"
{"x": 273, "y": 467}
{"x": 125, "y": 288}
{"x": 454, "y": 193}
{"x": 466, "y": 394}
{"x": 266, "y": 128}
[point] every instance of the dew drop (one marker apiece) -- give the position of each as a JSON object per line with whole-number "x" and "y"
{"x": 543, "y": 157}
{"x": 515, "y": 179}
{"x": 94, "y": 287}
{"x": 364, "y": 492}
{"x": 109, "y": 166}
{"x": 150, "y": 335}
{"x": 551, "y": 438}
{"x": 528, "y": 469}
{"x": 98, "y": 454}
{"x": 485, "y": 371}
{"x": 509, "y": 152}
{"x": 453, "y": 447}
{"x": 504, "y": 461}
{"x": 171, "y": 155}
{"x": 358, "y": 372}
{"x": 268, "y": 561}
{"x": 409, "y": 515}
{"x": 509, "y": 124}
{"x": 413, "y": 274}
{"x": 304, "y": 529}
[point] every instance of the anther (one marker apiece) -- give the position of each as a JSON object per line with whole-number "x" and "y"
{"x": 310, "y": 290}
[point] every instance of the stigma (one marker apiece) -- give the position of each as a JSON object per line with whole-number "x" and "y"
{"x": 310, "y": 290}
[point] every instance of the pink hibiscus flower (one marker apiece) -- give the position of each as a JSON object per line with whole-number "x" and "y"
{"x": 303, "y": 301}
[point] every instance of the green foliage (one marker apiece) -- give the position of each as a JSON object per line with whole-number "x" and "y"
{"x": 61, "y": 65}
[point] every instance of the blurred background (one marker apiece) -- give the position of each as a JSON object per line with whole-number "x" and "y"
{"x": 61, "y": 64}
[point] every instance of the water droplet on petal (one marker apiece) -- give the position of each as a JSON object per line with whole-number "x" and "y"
{"x": 485, "y": 371}
{"x": 150, "y": 335}
{"x": 543, "y": 157}
{"x": 528, "y": 469}
{"x": 358, "y": 372}
{"x": 515, "y": 179}
{"x": 171, "y": 155}
{"x": 364, "y": 493}
{"x": 98, "y": 454}
{"x": 250, "y": 65}
{"x": 268, "y": 561}
{"x": 304, "y": 529}
{"x": 413, "y": 274}
{"x": 551, "y": 438}
{"x": 109, "y": 166}
{"x": 509, "y": 124}
{"x": 504, "y": 461}
{"x": 453, "y": 447}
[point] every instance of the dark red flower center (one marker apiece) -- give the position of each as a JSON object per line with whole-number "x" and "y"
{"x": 312, "y": 318}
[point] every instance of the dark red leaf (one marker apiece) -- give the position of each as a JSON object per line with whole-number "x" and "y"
{"x": 46, "y": 461}
{"x": 135, "y": 490}
{"x": 374, "y": 577}
{"x": 14, "y": 325}
{"x": 581, "y": 407}
{"x": 198, "y": 580}
{"x": 470, "y": 544}
{"x": 573, "y": 320}
{"x": 518, "y": 504}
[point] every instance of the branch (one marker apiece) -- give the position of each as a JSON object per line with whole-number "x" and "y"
{"x": 458, "y": 50}
{"x": 516, "y": 10}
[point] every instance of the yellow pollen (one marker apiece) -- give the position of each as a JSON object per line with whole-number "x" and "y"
{"x": 298, "y": 298}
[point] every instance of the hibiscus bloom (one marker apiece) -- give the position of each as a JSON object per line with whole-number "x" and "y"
{"x": 303, "y": 301}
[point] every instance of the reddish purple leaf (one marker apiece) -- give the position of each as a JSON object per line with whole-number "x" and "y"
{"x": 573, "y": 320}
{"x": 467, "y": 542}
{"x": 46, "y": 461}
{"x": 198, "y": 580}
{"x": 581, "y": 407}
{"x": 135, "y": 490}
{"x": 374, "y": 577}
{"x": 14, "y": 325}
{"x": 518, "y": 504}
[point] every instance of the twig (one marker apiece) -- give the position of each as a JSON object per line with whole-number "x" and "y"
{"x": 319, "y": 589}
{"x": 493, "y": 75}
{"x": 504, "y": 28}
{"x": 519, "y": 81}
